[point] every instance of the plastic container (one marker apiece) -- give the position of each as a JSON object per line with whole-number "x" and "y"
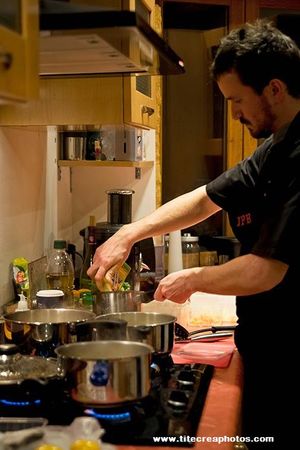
{"x": 190, "y": 250}
{"x": 49, "y": 298}
{"x": 60, "y": 270}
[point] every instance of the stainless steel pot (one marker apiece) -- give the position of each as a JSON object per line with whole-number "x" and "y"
{"x": 152, "y": 328}
{"x": 105, "y": 372}
{"x": 30, "y": 381}
{"x": 106, "y": 330}
{"x": 39, "y": 331}
{"x": 119, "y": 301}
{"x": 15, "y": 368}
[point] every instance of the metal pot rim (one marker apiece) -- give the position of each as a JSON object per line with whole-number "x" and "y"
{"x": 166, "y": 318}
{"x": 10, "y": 317}
{"x": 148, "y": 349}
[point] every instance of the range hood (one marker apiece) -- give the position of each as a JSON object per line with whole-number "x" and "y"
{"x": 80, "y": 40}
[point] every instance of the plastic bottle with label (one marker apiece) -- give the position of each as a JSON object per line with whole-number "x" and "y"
{"x": 60, "y": 270}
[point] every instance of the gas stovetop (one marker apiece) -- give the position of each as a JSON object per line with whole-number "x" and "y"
{"x": 171, "y": 410}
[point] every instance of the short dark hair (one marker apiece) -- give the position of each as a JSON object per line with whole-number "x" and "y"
{"x": 259, "y": 52}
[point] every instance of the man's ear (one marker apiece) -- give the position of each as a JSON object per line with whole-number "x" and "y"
{"x": 275, "y": 90}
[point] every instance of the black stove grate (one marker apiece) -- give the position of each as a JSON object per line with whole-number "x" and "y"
{"x": 172, "y": 411}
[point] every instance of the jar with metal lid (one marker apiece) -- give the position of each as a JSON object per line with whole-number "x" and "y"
{"x": 190, "y": 250}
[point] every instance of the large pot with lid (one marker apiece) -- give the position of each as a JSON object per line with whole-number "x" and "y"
{"x": 40, "y": 331}
{"x": 105, "y": 372}
{"x": 151, "y": 328}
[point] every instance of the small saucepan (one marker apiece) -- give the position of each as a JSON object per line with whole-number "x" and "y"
{"x": 119, "y": 301}
{"x": 152, "y": 328}
{"x": 105, "y": 372}
{"x": 97, "y": 330}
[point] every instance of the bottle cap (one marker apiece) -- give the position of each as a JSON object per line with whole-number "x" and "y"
{"x": 60, "y": 244}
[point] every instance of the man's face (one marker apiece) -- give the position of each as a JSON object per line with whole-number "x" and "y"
{"x": 247, "y": 106}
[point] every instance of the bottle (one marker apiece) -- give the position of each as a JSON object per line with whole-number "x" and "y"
{"x": 60, "y": 270}
{"x": 90, "y": 248}
{"x": 22, "y": 303}
{"x": 190, "y": 250}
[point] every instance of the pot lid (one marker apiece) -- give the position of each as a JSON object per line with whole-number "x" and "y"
{"x": 14, "y": 367}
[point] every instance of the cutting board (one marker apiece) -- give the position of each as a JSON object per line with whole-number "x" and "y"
{"x": 217, "y": 354}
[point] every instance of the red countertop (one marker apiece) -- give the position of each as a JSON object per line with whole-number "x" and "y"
{"x": 221, "y": 412}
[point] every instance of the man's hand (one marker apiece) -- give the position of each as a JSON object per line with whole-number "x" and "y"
{"x": 109, "y": 255}
{"x": 176, "y": 286}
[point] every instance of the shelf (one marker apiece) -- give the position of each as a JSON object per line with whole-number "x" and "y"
{"x": 87, "y": 163}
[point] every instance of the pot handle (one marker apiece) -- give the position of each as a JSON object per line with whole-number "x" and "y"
{"x": 143, "y": 330}
{"x": 8, "y": 349}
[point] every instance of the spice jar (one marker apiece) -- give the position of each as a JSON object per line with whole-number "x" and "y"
{"x": 190, "y": 250}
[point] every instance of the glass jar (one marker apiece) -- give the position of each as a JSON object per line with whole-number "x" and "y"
{"x": 166, "y": 255}
{"x": 190, "y": 250}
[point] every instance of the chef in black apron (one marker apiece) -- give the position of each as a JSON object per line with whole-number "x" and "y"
{"x": 257, "y": 69}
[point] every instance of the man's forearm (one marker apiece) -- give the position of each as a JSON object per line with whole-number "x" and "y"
{"x": 180, "y": 213}
{"x": 244, "y": 275}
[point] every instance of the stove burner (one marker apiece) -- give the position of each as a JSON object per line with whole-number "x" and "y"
{"x": 172, "y": 409}
{"x": 7, "y": 402}
{"x": 115, "y": 417}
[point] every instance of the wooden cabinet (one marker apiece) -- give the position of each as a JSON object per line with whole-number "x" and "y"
{"x": 142, "y": 94}
{"x": 18, "y": 50}
{"x": 70, "y": 101}
{"x": 98, "y": 100}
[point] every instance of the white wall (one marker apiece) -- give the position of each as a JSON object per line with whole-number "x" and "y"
{"x": 88, "y": 197}
{"x": 22, "y": 199}
{"x": 34, "y": 212}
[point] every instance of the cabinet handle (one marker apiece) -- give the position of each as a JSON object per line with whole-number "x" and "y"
{"x": 147, "y": 110}
{"x": 5, "y": 60}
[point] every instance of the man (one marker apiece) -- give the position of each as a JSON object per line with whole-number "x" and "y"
{"x": 257, "y": 69}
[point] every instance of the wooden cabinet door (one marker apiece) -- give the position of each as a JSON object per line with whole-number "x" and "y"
{"x": 140, "y": 92}
{"x": 18, "y": 50}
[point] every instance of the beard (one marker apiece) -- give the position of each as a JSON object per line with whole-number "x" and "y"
{"x": 264, "y": 126}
